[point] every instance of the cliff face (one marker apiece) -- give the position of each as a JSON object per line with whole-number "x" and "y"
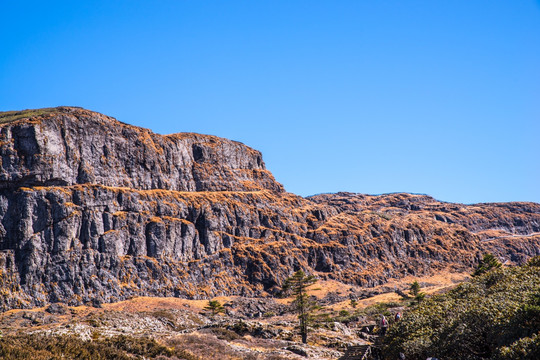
{"x": 92, "y": 209}
{"x": 71, "y": 146}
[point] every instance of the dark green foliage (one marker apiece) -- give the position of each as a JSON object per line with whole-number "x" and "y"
{"x": 376, "y": 310}
{"x": 225, "y": 334}
{"x": 535, "y": 261}
{"x": 415, "y": 288}
{"x": 214, "y": 307}
{"x": 343, "y": 316}
{"x": 524, "y": 349}
{"x": 497, "y": 313}
{"x": 40, "y": 347}
{"x": 304, "y": 305}
{"x": 240, "y": 328}
{"x": 420, "y": 297}
{"x": 487, "y": 263}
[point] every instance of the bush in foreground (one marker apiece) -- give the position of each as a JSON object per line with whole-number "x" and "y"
{"x": 40, "y": 347}
{"x": 495, "y": 316}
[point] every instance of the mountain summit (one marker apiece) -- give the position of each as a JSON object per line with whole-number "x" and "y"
{"x": 95, "y": 210}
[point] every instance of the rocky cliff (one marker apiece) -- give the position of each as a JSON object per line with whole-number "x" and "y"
{"x": 95, "y": 210}
{"x": 67, "y": 146}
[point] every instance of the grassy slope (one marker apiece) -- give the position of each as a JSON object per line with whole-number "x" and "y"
{"x": 9, "y": 116}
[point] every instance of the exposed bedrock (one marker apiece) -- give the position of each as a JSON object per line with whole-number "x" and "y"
{"x": 93, "y": 210}
{"x": 76, "y": 146}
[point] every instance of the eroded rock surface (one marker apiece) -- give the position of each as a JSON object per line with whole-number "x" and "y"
{"x": 75, "y": 146}
{"x": 93, "y": 210}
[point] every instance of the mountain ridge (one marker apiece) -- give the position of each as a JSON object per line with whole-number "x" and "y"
{"x": 99, "y": 213}
{"x": 72, "y": 146}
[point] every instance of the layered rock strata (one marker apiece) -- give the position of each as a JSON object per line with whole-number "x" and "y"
{"x": 69, "y": 146}
{"x": 94, "y": 210}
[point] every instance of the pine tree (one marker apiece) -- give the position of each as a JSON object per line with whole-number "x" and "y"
{"x": 304, "y": 305}
{"x": 487, "y": 263}
{"x": 415, "y": 291}
{"x": 214, "y": 307}
{"x": 415, "y": 288}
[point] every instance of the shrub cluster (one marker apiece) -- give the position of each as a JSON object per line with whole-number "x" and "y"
{"x": 494, "y": 316}
{"x": 40, "y": 347}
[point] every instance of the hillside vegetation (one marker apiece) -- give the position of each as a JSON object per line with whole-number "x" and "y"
{"x": 39, "y": 347}
{"x": 9, "y": 116}
{"x": 494, "y": 316}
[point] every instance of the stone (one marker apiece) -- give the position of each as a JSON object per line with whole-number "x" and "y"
{"x": 297, "y": 349}
{"x": 93, "y": 210}
{"x": 57, "y": 308}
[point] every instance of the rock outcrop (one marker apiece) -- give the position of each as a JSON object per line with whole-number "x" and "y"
{"x": 71, "y": 146}
{"x": 94, "y": 210}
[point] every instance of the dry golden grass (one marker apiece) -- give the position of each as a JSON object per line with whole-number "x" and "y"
{"x": 143, "y": 303}
{"x": 10, "y": 116}
{"x": 430, "y": 285}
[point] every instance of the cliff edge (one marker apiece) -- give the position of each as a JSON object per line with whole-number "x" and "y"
{"x": 95, "y": 210}
{"x": 67, "y": 146}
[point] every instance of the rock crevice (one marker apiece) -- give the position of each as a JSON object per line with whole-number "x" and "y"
{"x": 95, "y": 210}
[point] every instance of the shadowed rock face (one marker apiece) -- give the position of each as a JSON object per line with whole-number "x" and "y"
{"x": 94, "y": 210}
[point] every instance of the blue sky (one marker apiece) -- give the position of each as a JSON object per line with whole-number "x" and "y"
{"x": 435, "y": 97}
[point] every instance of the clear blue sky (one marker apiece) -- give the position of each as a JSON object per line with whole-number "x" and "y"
{"x": 435, "y": 97}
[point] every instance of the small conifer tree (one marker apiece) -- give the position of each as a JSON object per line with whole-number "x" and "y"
{"x": 415, "y": 291}
{"x": 415, "y": 288}
{"x": 488, "y": 262}
{"x": 214, "y": 307}
{"x": 304, "y": 305}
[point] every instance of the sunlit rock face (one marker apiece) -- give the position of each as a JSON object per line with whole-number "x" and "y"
{"x": 95, "y": 210}
{"x": 71, "y": 146}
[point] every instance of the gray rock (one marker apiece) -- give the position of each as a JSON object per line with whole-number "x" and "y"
{"x": 76, "y": 146}
{"x": 57, "y": 308}
{"x": 93, "y": 211}
{"x": 297, "y": 349}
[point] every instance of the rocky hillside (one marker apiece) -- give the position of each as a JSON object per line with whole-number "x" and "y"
{"x": 68, "y": 146}
{"x": 95, "y": 210}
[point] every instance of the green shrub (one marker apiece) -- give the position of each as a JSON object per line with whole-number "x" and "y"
{"x": 523, "y": 349}
{"x": 40, "y": 347}
{"x": 225, "y": 334}
{"x": 476, "y": 320}
{"x": 534, "y": 261}
{"x": 488, "y": 262}
{"x": 415, "y": 288}
{"x": 380, "y": 308}
{"x": 214, "y": 307}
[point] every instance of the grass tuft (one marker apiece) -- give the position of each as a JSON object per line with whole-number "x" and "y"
{"x": 10, "y": 116}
